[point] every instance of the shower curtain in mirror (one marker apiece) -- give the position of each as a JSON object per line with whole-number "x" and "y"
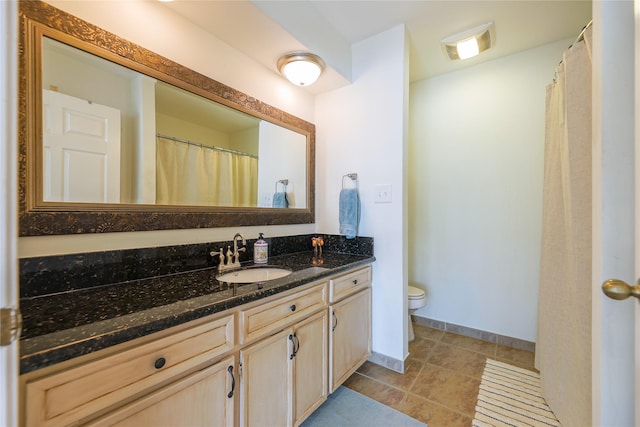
{"x": 563, "y": 348}
{"x": 188, "y": 174}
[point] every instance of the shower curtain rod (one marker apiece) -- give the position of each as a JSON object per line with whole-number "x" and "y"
{"x": 578, "y": 40}
{"x": 581, "y": 35}
{"x": 212, "y": 147}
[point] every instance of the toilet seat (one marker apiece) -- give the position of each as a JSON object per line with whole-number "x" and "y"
{"x": 415, "y": 293}
{"x": 416, "y": 298}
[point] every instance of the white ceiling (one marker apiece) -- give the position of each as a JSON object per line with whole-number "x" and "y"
{"x": 266, "y": 29}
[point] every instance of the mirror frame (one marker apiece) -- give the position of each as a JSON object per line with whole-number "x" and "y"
{"x": 37, "y": 217}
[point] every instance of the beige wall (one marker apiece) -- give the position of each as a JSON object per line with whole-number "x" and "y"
{"x": 475, "y": 199}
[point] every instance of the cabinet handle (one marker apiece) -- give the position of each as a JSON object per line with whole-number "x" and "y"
{"x": 233, "y": 382}
{"x": 296, "y": 349}
{"x": 293, "y": 346}
{"x": 355, "y": 281}
{"x": 160, "y": 362}
{"x": 335, "y": 323}
{"x": 293, "y": 307}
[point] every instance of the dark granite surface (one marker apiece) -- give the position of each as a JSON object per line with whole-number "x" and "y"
{"x": 91, "y": 315}
{"x": 55, "y": 274}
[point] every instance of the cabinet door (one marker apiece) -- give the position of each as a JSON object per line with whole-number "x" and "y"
{"x": 310, "y": 365}
{"x": 266, "y": 381}
{"x": 349, "y": 336}
{"x": 204, "y": 398}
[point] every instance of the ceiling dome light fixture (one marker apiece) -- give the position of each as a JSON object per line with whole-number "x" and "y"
{"x": 301, "y": 68}
{"x": 469, "y": 43}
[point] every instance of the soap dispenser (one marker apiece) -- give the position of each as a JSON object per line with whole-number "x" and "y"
{"x": 260, "y": 251}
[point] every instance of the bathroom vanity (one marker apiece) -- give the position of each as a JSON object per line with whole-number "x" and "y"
{"x": 154, "y": 338}
{"x": 269, "y": 361}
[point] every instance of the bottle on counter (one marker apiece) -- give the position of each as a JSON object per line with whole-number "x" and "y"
{"x": 260, "y": 251}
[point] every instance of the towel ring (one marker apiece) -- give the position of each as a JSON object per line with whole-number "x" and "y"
{"x": 352, "y": 177}
{"x": 284, "y": 183}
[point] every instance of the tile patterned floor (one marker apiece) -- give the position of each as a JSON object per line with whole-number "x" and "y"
{"x": 440, "y": 386}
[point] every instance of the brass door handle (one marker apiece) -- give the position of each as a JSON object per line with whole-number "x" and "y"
{"x": 10, "y": 325}
{"x": 617, "y": 289}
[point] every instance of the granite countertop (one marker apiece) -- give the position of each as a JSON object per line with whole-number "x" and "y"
{"x": 62, "y": 326}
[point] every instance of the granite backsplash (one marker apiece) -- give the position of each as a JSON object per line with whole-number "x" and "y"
{"x": 42, "y": 276}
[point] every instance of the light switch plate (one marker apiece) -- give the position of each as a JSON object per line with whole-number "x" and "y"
{"x": 382, "y": 194}
{"x": 266, "y": 199}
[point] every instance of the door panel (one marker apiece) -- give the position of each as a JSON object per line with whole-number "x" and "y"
{"x": 636, "y": 323}
{"x": 616, "y": 341}
{"x": 265, "y": 382}
{"x": 350, "y": 336}
{"x": 81, "y": 157}
{"x": 9, "y": 364}
{"x": 310, "y": 365}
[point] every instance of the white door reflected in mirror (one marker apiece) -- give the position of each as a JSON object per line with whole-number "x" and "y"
{"x": 81, "y": 156}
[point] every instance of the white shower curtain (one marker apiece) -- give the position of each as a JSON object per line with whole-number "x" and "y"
{"x": 563, "y": 348}
{"x": 188, "y": 174}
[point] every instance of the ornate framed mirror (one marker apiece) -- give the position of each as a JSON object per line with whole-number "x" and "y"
{"x": 113, "y": 137}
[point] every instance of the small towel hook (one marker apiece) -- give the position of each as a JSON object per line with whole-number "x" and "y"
{"x": 351, "y": 176}
{"x": 284, "y": 183}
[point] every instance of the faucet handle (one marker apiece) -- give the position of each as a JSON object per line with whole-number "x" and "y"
{"x": 229, "y": 255}
{"x": 219, "y": 253}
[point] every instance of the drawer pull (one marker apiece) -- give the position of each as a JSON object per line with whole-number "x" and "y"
{"x": 293, "y": 307}
{"x": 355, "y": 281}
{"x": 160, "y": 362}
{"x": 233, "y": 382}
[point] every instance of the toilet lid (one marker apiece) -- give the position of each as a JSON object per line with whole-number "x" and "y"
{"x": 415, "y": 292}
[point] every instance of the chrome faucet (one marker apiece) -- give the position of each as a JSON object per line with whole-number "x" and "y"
{"x": 232, "y": 259}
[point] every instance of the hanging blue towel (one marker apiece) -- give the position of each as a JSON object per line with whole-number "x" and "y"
{"x": 349, "y": 212}
{"x": 280, "y": 200}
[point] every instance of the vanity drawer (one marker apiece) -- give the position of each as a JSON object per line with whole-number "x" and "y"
{"x": 348, "y": 284}
{"x": 76, "y": 393}
{"x": 264, "y": 319}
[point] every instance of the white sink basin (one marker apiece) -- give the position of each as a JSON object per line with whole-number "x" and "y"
{"x": 251, "y": 275}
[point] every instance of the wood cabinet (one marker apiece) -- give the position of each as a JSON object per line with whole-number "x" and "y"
{"x": 350, "y": 325}
{"x": 265, "y": 385}
{"x": 267, "y": 363}
{"x": 89, "y": 388}
{"x": 205, "y": 398}
{"x": 310, "y": 366}
{"x": 349, "y": 283}
{"x": 284, "y": 376}
{"x": 265, "y": 318}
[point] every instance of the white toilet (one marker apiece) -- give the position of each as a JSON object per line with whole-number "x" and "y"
{"x": 416, "y": 300}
